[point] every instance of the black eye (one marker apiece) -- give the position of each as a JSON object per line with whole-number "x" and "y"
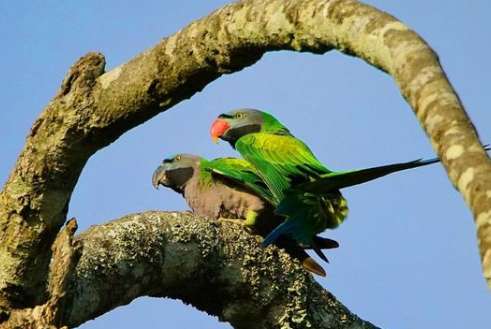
{"x": 177, "y": 158}
{"x": 239, "y": 115}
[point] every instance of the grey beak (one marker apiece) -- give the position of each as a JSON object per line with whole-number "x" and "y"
{"x": 158, "y": 177}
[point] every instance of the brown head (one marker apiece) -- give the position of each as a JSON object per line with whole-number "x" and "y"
{"x": 175, "y": 172}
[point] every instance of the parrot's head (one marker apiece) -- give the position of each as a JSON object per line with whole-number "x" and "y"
{"x": 233, "y": 125}
{"x": 176, "y": 171}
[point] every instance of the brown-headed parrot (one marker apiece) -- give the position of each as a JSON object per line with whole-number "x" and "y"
{"x": 230, "y": 188}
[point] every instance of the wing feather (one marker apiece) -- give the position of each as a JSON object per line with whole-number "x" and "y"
{"x": 281, "y": 160}
{"x": 241, "y": 172}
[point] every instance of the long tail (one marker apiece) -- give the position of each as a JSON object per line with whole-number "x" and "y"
{"x": 342, "y": 179}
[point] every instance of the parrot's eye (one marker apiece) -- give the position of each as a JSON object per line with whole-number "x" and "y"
{"x": 178, "y": 158}
{"x": 239, "y": 115}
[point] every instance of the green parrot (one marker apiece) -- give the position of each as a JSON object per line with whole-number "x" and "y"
{"x": 305, "y": 191}
{"x": 230, "y": 188}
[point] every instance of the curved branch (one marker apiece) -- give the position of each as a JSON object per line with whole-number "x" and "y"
{"x": 93, "y": 109}
{"x": 34, "y": 200}
{"x": 217, "y": 267}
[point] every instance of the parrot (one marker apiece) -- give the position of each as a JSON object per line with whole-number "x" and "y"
{"x": 306, "y": 193}
{"x": 230, "y": 188}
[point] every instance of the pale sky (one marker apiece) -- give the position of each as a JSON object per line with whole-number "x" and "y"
{"x": 408, "y": 256}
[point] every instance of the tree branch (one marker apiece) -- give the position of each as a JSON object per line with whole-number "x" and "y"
{"x": 93, "y": 109}
{"x": 35, "y": 198}
{"x": 216, "y": 267}
{"x": 51, "y": 314}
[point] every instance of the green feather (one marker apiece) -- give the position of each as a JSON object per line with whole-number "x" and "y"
{"x": 241, "y": 172}
{"x": 341, "y": 179}
{"x": 205, "y": 176}
{"x": 303, "y": 190}
{"x": 283, "y": 161}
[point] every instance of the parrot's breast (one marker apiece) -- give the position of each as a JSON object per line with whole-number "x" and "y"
{"x": 217, "y": 200}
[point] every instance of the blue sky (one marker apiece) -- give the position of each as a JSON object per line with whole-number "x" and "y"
{"x": 408, "y": 255}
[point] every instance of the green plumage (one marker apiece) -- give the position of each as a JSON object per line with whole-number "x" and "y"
{"x": 304, "y": 190}
{"x": 231, "y": 188}
{"x": 294, "y": 207}
{"x": 239, "y": 170}
{"x": 284, "y": 161}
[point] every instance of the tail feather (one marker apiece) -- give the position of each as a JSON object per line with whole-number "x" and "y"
{"x": 312, "y": 266}
{"x": 325, "y": 243}
{"x": 319, "y": 252}
{"x": 296, "y": 251}
{"x": 338, "y": 180}
{"x": 285, "y": 228}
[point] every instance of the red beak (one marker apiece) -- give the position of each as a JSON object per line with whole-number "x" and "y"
{"x": 218, "y": 128}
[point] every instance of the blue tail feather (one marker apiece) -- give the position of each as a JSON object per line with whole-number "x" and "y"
{"x": 285, "y": 228}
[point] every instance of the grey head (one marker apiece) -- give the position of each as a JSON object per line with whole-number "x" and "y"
{"x": 232, "y": 125}
{"x": 176, "y": 171}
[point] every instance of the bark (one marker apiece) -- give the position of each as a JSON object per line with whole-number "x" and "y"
{"x": 93, "y": 108}
{"x": 215, "y": 266}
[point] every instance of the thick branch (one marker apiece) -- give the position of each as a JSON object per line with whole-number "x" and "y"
{"x": 50, "y": 315}
{"x": 34, "y": 201}
{"x": 217, "y": 267}
{"x": 92, "y": 110}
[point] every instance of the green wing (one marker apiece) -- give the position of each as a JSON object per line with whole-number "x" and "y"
{"x": 281, "y": 160}
{"x": 242, "y": 172}
{"x": 338, "y": 180}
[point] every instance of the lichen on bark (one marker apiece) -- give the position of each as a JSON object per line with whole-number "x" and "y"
{"x": 215, "y": 266}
